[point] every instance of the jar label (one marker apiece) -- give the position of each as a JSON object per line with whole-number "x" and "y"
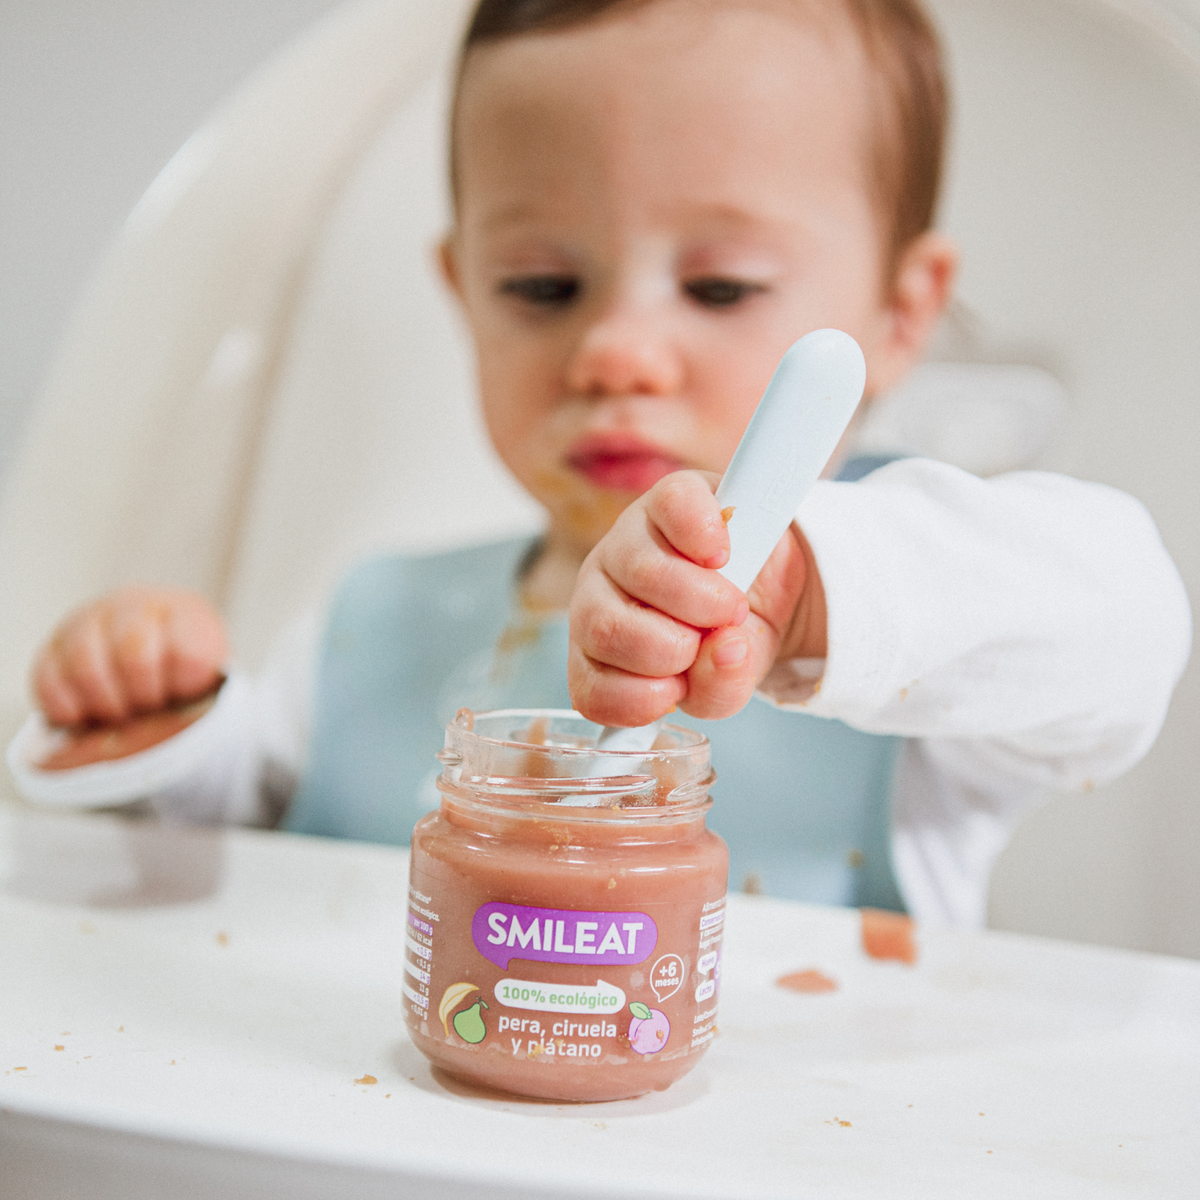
{"x": 642, "y": 996}
{"x": 502, "y": 932}
{"x": 564, "y": 1003}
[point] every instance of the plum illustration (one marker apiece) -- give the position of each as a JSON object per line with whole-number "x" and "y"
{"x": 649, "y": 1029}
{"x": 469, "y": 1025}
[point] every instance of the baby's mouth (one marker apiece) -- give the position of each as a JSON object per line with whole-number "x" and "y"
{"x": 621, "y": 462}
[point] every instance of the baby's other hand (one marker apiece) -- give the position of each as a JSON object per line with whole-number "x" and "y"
{"x": 654, "y": 626}
{"x": 135, "y": 651}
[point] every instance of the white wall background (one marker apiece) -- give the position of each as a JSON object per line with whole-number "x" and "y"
{"x": 95, "y": 96}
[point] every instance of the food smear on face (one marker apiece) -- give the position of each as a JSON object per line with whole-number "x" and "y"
{"x": 586, "y": 511}
{"x": 106, "y": 743}
{"x": 809, "y": 983}
{"x": 888, "y": 935}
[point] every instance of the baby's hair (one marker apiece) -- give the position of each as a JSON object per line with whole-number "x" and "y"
{"x": 910, "y": 107}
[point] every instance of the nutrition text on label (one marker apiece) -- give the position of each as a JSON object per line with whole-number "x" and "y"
{"x": 418, "y": 959}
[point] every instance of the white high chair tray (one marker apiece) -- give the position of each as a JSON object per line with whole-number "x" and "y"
{"x": 190, "y": 1013}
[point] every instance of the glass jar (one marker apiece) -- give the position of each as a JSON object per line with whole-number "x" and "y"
{"x": 566, "y": 907}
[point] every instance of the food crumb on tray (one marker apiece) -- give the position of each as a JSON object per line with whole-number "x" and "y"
{"x": 367, "y": 1079}
{"x": 809, "y": 983}
{"x": 888, "y": 935}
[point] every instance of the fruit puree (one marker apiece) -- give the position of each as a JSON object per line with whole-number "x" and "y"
{"x": 106, "y": 743}
{"x": 564, "y": 924}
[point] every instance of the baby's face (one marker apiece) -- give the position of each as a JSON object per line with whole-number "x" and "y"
{"x": 651, "y": 209}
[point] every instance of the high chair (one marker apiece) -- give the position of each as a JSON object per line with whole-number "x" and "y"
{"x": 265, "y": 381}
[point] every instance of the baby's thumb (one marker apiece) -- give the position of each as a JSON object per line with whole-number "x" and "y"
{"x": 729, "y": 665}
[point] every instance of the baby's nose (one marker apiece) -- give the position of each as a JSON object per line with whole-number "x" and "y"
{"x": 623, "y": 355}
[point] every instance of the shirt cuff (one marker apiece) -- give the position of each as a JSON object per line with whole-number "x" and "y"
{"x": 865, "y": 616}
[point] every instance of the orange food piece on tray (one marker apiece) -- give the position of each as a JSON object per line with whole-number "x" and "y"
{"x": 810, "y": 982}
{"x": 888, "y": 935}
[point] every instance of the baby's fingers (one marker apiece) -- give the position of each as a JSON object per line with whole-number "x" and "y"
{"x": 683, "y": 508}
{"x": 138, "y": 649}
{"x": 195, "y": 648}
{"x": 610, "y": 696}
{"x": 612, "y": 629}
{"x": 82, "y": 666}
{"x": 167, "y": 646}
{"x": 646, "y": 568}
{"x": 135, "y": 651}
{"x": 727, "y": 669}
{"x": 55, "y": 695}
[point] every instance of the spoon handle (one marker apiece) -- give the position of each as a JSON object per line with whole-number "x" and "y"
{"x": 794, "y": 431}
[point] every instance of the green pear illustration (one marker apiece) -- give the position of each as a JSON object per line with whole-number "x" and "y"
{"x": 469, "y": 1025}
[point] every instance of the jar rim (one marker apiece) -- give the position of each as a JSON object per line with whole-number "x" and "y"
{"x": 534, "y": 761}
{"x": 468, "y": 722}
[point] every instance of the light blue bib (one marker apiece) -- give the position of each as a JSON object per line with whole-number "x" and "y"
{"x": 804, "y": 802}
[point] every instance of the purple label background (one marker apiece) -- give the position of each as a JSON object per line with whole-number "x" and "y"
{"x": 501, "y": 955}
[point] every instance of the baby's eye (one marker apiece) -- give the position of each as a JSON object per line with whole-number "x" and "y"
{"x": 720, "y": 293}
{"x": 550, "y": 291}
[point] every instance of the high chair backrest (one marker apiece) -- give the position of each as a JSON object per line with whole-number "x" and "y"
{"x": 265, "y": 380}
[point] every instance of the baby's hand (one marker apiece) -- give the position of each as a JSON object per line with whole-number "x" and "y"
{"x": 135, "y": 651}
{"x": 654, "y": 626}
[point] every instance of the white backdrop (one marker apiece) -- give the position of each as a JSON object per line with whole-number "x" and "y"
{"x": 95, "y": 97}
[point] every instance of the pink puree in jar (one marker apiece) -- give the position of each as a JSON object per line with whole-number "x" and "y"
{"x": 565, "y": 921}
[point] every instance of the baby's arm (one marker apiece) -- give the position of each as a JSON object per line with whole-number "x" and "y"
{"x": 1025, "y": 632}
{"x": 140, "y": 650}
{"x": 1030, "y": 619}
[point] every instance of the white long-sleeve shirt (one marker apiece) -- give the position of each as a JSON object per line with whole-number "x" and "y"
{"x": 1024, "y": 632}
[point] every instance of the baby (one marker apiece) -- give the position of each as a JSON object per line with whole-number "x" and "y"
{"x": 653, "y": 200}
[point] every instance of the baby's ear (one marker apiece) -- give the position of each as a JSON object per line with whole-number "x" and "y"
{"x": 921, "y": 289}
{"x": 447, "y": 260}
